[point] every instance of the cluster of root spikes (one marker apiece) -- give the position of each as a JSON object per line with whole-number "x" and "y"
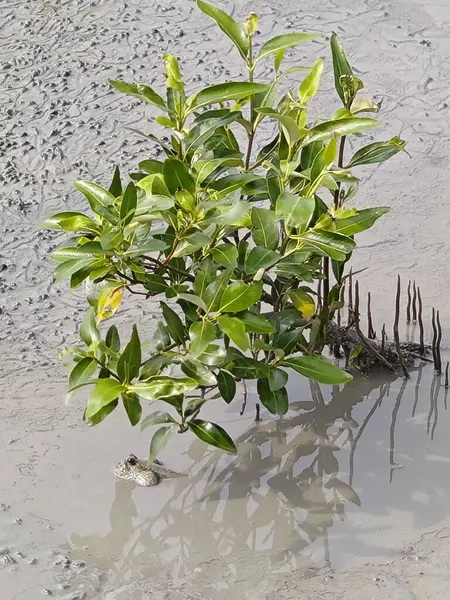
{"x": 366, "y": 352}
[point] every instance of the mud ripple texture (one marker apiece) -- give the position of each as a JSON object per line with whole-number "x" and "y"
{"x": 60, "y": 121}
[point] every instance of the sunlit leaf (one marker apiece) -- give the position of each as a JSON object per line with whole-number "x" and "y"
{"x": 282, "y": 42}
{"x": 82, "y": 372}
{"x": 295, "y": 211}
{"x": 303, "y": 302}
{"x": 264, "y": 228}
{"x": 234, "y": 90}
{"x": 141, "y": 91}
{"x": 104, "y": 392}
{"x": 228, "y": 25}
{"x": 309, "y": 86}
{"x": 240, "y": 296}
{"x": 201, "y": 334}
{"x": 163, "y": 386}
{"x": 235, "y": 329}
{"x": 360, "y": 222}
{"x": 338, "y": 128}
{"x": 341, "y": 65}
{"x": 319, "y": 369}
{"x": 377, "y": 152}
{"x": 260, "y": 258}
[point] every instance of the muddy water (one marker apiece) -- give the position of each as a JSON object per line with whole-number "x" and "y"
{"x": 349, "y": 478}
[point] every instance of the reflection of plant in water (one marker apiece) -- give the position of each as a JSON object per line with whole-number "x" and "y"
{"x": 288, "y": 474}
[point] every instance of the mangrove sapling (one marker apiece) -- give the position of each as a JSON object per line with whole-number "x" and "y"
{"x": 231, "y": 237}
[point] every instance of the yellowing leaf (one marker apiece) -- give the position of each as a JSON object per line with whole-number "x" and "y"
{"x": 303, "y": 302}
{"x": 109, "y": 301}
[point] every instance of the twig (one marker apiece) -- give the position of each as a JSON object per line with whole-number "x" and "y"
{"x": 408, "y": 306}
{"x": 371, "y": 334}
{"x": 446, "y": 376}
{"x": 374, "y": 351}
{"x": 414, "y": 308}
{"x": 170, "y": 267}
{"x": 419, "y": 316}
{"x": 433, "y": 345}
{"x": 356, "y": 313}
{"x": 438, "y": 343}
{"x": 342, "y": 299}
{"x": 350, "y": 298}
{"x": 244, "y": 399}
{"x": 258, "y": 410}
{"x": 396, "y": 336}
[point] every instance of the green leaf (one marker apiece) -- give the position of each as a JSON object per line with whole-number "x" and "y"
{"x": 335, "y": 245}
{"x": 260, "y": 258}
{"x": 341, "y": 65}
{"x": 197, "y": 371}
{"x": 205, "y": 274}
{"x": 290, "y": 128}
{"x": 156, "y": 418}
{"x": 277, "y": 379}
{"x": 228, "y": 25}
{"x": 309, "y": 86}
{"x": 240, "y": 296}
{"x": 201, "y": 334}
{"x": 360, "y": 105}
{"x": 177, "y": 177}
{"x": 100, "y": 200}
{"x": 230, "y": 183}
{"x": 128, "y": 205}
{"x": 82, "y": 372}
{"x": 159, "y": 442}
{"x": 163, "y": 386}
{"x": 193, "y": 299}
{"x": 226, "y": 255}
{"x": 202, "y": 132}
{"x": 215, "y": 290}
{"x": 213, "y": 356}
{"x": 112, "y": 339}
{"x": 174, "y": 325}
{"x": 294, "y": 264}
{"x": 255, "y": 323}
{"x": 222, "y": 92}
{"x": 89, "y": 332}
{"x": 154, "y": 365}
{"x": 129, "y": 363}
{"x": 377, "y": 152}
{"x": 244, "y": 367}
{"x": 81, "y": 252}
{"x": 141, "y": 91}
{"x": 212, "y": 434}
{"x": 360, "y": 222}
{"x": 116, "y": 185}
{"x": 295, "y": 211}
{"x": 151, "y": 166}
{"x": 282, "y": 42}
{"x": 303, "y": 302}
{"x": 104, "y": 392}
{"x": 235, "y": 329}
{"x": 102, "y": 413}
{"x": 193, "y": 406}
{"x": 69, "y": 267}
{"x": 264, "y": 228}
{"x": 70, "y": 221}
{"x": 204, "y": 168}
{"x": 338, "y": 128}
{"x": 276, "y": 402}
{"x": 319, "y": 369}
{"x": 132, "y": 407}
{"x": 227, "y": 386}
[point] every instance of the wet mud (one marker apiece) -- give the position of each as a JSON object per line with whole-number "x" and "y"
{"x": 317, "y": 505}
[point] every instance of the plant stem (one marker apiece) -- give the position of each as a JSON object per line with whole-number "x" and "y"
{"x": 336, "y": 204}
{"x": 251, "y": 136}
